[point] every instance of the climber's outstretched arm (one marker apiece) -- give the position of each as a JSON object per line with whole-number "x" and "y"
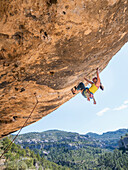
{"x": 88, "y": 80}
{"x": 98, "y": 77}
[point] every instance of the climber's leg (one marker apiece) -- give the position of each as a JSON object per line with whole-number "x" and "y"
{"x": 86, "y": 93}
{"x": 80, "y": 87}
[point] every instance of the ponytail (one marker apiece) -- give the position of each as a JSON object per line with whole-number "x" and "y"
{"x": 101, "y": 86}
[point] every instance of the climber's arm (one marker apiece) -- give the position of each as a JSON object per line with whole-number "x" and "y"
{"x": 88, "y": 80}
{"x": 98, "y": 77}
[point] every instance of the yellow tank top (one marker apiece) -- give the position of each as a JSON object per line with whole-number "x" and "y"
{"x": 93, "y": 88}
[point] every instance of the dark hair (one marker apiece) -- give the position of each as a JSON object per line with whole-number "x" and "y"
{"x": 101, "y": 86}
{"x": 94, "y": 79}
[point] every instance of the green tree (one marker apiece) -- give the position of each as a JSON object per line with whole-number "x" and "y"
{"x": 38, "y": 157}
{"x": 28, "y": 151}
{"x": 11, "y": 165}
{"x": 23, "y": 152}
{"x": 29, "y": 162}
{"x": 22, "y": 165}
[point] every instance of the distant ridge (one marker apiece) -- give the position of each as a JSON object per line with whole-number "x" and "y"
{"x": 110, "y": 134}
{"x": 116, "y": 133}
{"x": 108, "y": 140}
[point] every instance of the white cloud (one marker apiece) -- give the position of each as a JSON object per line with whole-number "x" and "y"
{"x": 123, "y": 106}
{"x": 102, "y": 111}
{"x": 126, "y": 102}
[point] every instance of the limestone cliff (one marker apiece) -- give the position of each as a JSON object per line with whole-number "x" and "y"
{"x": 48, "y": 46}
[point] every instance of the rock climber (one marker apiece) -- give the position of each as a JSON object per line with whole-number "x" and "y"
{"x": 89, "y": 92}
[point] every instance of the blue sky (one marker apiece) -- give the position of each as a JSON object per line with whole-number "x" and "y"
{"x": 110, "y": 113}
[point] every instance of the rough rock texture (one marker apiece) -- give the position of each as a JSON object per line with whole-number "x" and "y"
{"x": 48, "y": 46}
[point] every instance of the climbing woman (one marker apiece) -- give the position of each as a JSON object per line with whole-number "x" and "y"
{"x": 89, "y": 92}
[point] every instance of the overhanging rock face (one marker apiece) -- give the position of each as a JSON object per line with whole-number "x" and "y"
{"x": 48, "y": 46}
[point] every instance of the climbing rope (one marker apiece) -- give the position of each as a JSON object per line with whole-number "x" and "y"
{"x": 6, "y": 149}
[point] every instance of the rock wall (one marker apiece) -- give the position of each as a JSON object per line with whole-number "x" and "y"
{"x": 48, "y": 46}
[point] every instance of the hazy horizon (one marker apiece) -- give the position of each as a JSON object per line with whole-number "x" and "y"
{"x": 71, "y": 131}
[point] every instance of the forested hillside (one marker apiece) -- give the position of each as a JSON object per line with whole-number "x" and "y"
{"x": 48, "y": 139}
{"x": 24, "y": 159}
{"x": 78, "y": 151}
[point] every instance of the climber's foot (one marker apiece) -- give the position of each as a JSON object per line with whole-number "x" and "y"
{"x": 88, "y": 99}
{"x": 74, "y": 90}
